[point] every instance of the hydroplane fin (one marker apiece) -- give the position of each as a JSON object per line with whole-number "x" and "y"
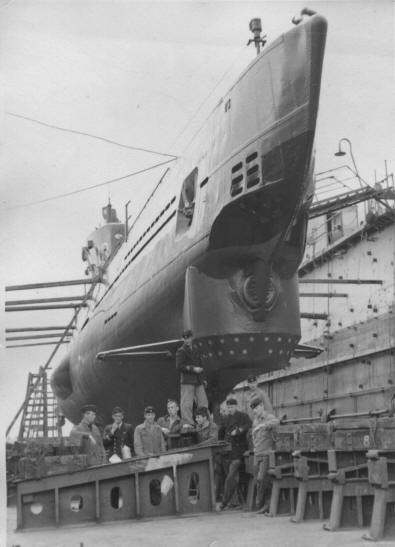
{"x": 156, "y": 349}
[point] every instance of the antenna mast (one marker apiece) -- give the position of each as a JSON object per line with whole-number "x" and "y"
{"x": 256, "y": 29}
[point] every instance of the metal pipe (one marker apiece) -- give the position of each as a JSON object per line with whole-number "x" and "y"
{"x": 371, "y": 413}
{"x": 314, "y": 315}
{"x": 343, "y": 281}
{"x": 51, "y": 284}
{"x": 32, "y": 308}
{"x": 29, "y": 346}
{"x": 30, "y": 329}
{"x": 35, "y": 336}
{"x": 44, "y": 300}
{"x": 324, "y": 294}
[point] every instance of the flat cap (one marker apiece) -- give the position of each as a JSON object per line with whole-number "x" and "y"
{"x": 117, "y": 410}
{"x": 88, "y": 408}
{"x": 149, "y": 409}
{"x": 255, "y": 402}
{"x": 231, "y": 401}
{"x": 187, "y": 333}
{"x": 252, "y": 378}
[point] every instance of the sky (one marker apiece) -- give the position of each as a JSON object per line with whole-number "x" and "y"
{"x": 146, "y": 74}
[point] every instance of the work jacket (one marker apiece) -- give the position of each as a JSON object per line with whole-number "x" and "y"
{"x": 88, "y": 435}
{"x": 186, "y": 359}
{"x": 239, "y": 423}
{"x": 262, "y": 434}
{"x": 148, "y": 440}
{"x": 207, "y": 434}
{"x": 173, "y": 427}
{"x": 122, "y": 436}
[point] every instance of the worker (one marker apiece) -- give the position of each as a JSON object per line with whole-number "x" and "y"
{"x": 188, "y": 362}
{"x": 263, "y": 441}
{"x": 171, "y": 423}
{"x": 253, "y": 392}
{"x": 207, "y": 429}
{"x": 148, "y": 436}
{"x": 118, "y": 436}
{"x": 88, "y": 435}
{"x": 234, "y": 428}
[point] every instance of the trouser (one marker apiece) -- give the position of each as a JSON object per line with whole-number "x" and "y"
{"x": 189, "y": 393}
{"x": 232, "y": 479}
{"x": 263, "y": 480}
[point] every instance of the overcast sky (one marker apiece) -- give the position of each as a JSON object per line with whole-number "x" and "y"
{"x": 137, "y": 73}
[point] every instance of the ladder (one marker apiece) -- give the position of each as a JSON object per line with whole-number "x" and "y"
{"x": 40, "y": 414}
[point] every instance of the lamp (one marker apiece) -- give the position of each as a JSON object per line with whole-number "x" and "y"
{"x": 341, "y": 152}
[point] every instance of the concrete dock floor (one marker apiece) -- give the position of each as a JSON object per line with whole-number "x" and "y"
{"x": 227, "y": 529}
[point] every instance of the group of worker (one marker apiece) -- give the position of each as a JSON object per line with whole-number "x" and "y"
{"x": 242, "y": 431}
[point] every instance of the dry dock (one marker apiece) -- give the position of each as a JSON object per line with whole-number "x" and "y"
{"x": 227, "y": 529}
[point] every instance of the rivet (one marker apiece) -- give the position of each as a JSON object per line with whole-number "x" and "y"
{"x": 279, "y": 339}
{"x": 266, "y": 339}
{"x": 232, "y": 352}
{"x": 245, "y": 352}
{"x": 222, "y": 341}
{"x": 289, "y": 340}
{"x": 220, "y": 354}
{"x": 210, "y": 354}
{"x": 236, "y": 339}
{"x": 270, "y": 350}
{"x": 281, "y": 352}
{"x": 210, "y": 342}
{"x": 252, "y": 338}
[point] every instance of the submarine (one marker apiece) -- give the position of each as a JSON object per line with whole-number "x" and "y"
{"x": 215, "y": 249}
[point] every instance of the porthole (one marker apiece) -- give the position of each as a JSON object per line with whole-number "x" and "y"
{"x": 76, "y": 503}
{"x": 116, "y": 498}
{"x": 154, "y": 492}
{"x": 193, "y": 489}
{"x": 36, "y": 508}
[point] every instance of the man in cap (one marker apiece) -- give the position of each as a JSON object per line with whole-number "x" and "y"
{"x": 148, "y": 436}
{"x": 207, "y": 430}
{"x": 171, "y": 423}
{"x": 234, "y": 429}
{"x": 118, "y": 436}
{"x": 263, "y": 441}
{"x": 189, "y": 364}
{"x": 87, "y": 433}
{"x": 253, "y": 392}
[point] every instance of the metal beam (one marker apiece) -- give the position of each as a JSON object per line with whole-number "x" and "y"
{"x": 33, "y": 329}
{"x": 59, "y": 307}
{"x": 323, "y": 294}
{"x": 51, "y": 284}
{"x": 45, "y": 300}
{"x": 343, "y": 281}
{"x": 35, "y": 336}
{"x": 38, "y": 344}
{"x": 314, "y": 315}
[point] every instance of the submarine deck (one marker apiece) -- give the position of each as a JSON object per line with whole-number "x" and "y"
{"x": 228, "y": 529}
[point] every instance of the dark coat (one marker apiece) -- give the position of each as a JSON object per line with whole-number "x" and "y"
{"x": 240, "y": 423}
{"x": 113, "y": 442}
{"x": 90, "y": 438}
{"x": 186, "y": 359}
